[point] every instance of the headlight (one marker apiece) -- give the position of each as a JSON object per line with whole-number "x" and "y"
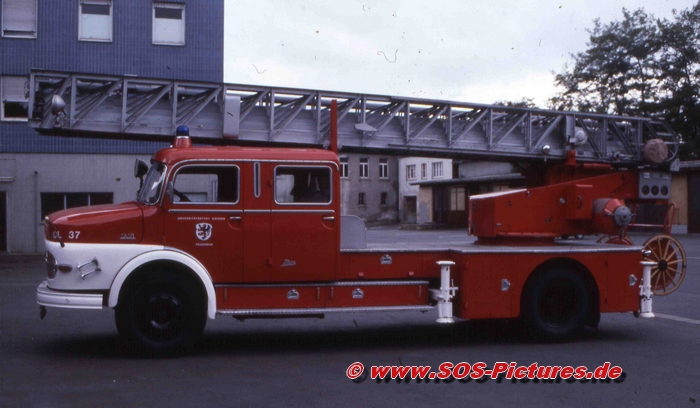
{"x": 51, "y": 266}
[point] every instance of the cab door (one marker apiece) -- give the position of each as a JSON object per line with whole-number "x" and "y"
{"x": 304, "y": 224}
{"x": 203, "y": 217}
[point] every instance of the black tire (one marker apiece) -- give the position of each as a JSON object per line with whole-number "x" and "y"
{"x": 161, "y": 316}
{"x": 555, "y": 305}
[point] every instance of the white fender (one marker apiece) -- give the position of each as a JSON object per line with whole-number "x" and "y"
{"x": 165, "y": 255}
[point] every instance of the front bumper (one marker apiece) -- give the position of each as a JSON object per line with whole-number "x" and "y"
{"x": 52, "y": 298}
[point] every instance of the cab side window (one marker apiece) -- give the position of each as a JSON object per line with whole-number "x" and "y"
{"x": 307, "y": 185}
{"x": 206, "y": 184}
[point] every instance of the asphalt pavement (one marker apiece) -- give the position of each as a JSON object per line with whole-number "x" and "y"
{"x": 73, "y": 358}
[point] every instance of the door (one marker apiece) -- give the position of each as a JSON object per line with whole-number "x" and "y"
{"x": 440, "y": 205}
{"x": 205, "y": 217}
{"x": 693, "y": 203}
{"x": 304, "y": 224}
{"x": 409, "y": 209}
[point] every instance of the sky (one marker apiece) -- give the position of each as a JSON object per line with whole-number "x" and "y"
{"x": 469, "y": 50}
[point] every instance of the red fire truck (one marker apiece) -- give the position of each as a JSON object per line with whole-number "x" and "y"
{"x": 254, "y": 232}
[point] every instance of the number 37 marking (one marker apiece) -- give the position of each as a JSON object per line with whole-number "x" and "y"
{"x": 73, "y": 234}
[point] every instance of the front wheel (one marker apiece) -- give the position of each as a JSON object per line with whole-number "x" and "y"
{"x": 555, "y": 305}
{"x": 160, "y": 316}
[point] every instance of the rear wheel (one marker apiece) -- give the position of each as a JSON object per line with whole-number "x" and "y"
{"x": 555, "y": 305}
{"x": 160, "y": 316}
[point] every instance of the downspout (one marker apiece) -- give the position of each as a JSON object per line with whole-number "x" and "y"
{"x": 36, "y": 197}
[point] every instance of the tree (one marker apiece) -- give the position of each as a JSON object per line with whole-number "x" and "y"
{"x": 640, "y": 66}
{"x": 680, "y": 78}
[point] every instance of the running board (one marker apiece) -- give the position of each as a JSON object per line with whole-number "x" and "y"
{"x": 316, "y": 311}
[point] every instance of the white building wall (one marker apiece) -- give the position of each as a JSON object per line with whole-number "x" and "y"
{"x": 58, "y": 173}
{"x": 407, "y": 190}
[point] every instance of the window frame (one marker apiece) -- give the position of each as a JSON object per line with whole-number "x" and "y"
{"x": 180, "y": 6}
{"x": 410, "y": 172}
{"x": 361, "y": 199}
{"x": 3, "y": 78}
{"x": 20, "y": 34}
{"x": 344, "y": 167}
{"x": 173, "y": 178}
{"x": 364, "y": 168}
{"x": 437, "y": 166}
{"x": 384, "y": 199}
{"x": 423, "y": 171}
{"x": 383, "y": 169}
{"x": 110, "y": 3}
{"x": 330, "y": 184}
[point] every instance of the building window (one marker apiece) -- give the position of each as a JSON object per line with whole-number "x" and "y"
{"x": 52, "y": 202}
{"x": 383, "y": 168}
{"x": 457, "y": 199}
{"x": 424, "y": 171}
{"x": 361, "y": 199}
{"x": 364, "y": 168}
{"x": 19, "y": 18}
{"x": 95, "y": 20}
{"x": 437, "y": 170}
{"x": 383, "y": 199}
{"x": 13, "y": 94}
{"x": 344, "y": 167}
{"x": 169, "y": 23}
{"x": 411, "y": 172}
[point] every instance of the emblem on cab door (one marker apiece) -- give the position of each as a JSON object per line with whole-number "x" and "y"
{"x": 386, "y": 260}
{"x": 203, "y": 231}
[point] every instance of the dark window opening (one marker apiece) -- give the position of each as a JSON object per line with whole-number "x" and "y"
{"x": 52, "y": 202}
{"x": 15, "y": 110}
{"x": 97, "y": 9}
{"x": 169, "y": 13}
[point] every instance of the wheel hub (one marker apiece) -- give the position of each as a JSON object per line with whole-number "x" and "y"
{"x": 165, "y": 311}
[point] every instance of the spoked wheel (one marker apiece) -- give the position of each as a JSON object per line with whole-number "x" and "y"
{"x": 669, "y": 271}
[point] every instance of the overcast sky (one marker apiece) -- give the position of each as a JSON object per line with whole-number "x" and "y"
{"x": 469, "y": 50}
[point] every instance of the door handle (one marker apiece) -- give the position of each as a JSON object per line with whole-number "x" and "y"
{"x": 234, "y": 218}
{"x": 328, "y": 218}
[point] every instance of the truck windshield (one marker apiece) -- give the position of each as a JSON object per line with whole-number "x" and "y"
{"x": 150, "y": 192}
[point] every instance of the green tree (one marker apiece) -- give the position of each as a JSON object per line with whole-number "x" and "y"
{"x": 680, "y": 77}
{"x": 640, "y": 66}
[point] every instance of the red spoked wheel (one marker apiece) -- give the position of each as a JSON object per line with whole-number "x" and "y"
{"x": 669, "y": 271}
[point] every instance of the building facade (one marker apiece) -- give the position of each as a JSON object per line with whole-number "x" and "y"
{"x": 442, "y": 201}
{"x": 369, "y": 187}
{"x": 41, "y": 174}
{"x": 417, "y": 207}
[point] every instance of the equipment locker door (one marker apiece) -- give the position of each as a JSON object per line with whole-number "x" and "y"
{"x": 304, "y": 224}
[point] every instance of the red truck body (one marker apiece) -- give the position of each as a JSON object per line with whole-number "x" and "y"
{"x": 263, "y": 238}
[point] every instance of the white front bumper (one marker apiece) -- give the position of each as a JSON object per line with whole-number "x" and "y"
{"x": 52, "y": 298}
